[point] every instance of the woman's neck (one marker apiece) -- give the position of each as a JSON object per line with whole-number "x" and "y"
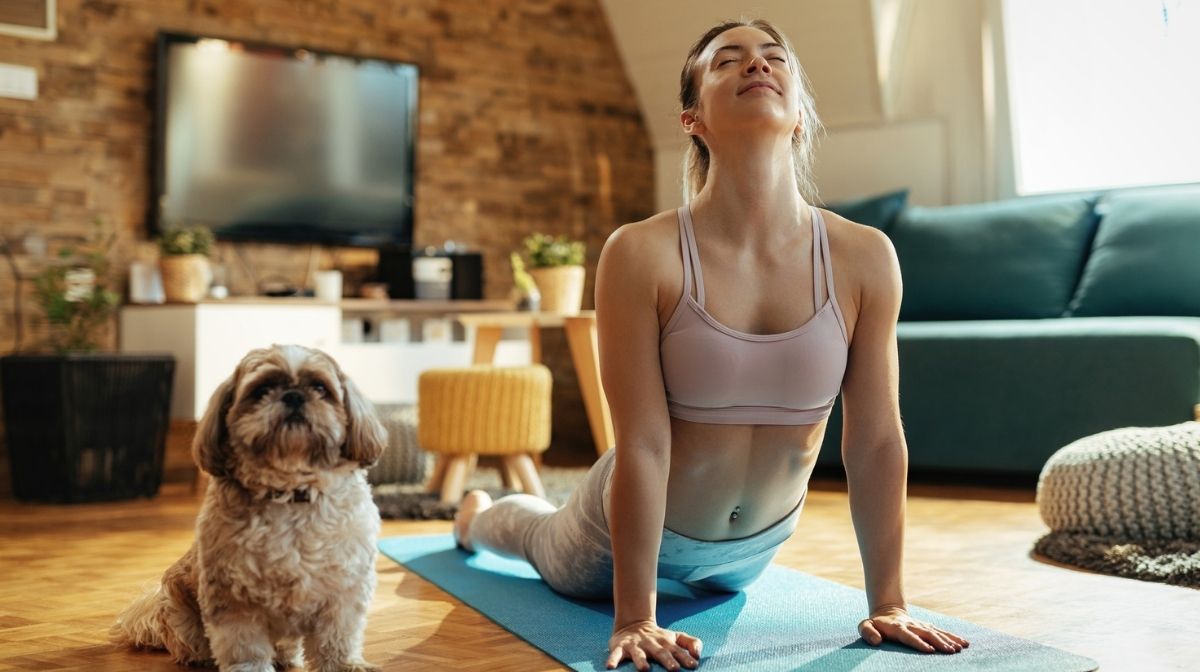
{"x": 750, "y": 193}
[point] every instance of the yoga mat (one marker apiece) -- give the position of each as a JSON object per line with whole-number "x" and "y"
{"x": 786, "y": 620}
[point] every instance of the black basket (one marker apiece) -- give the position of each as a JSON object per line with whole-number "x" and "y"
{"x": 86, "y": 427}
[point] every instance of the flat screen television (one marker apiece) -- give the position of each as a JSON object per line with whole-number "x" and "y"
{"x": 282, "y": 144}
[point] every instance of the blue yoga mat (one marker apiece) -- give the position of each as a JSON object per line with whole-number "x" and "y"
{"x": 786, "y": 620}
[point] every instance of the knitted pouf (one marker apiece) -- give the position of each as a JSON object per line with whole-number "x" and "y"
{"x": 1126, "y": 502}
{"x": 402, "y": 461}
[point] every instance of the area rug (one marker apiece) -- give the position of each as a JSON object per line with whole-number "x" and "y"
{"x": 411, "y": 502}
{"x": 787, "y": 620}
{"x": 1173, "y": 562}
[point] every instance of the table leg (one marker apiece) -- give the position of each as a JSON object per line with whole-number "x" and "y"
{"x": 486, "y": 338}
{"x": 581, "y": 338}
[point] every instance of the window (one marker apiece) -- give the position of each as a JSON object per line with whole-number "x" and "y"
{"x": 1103, "y": 93}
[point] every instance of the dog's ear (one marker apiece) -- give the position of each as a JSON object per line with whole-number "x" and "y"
{"x": 210, "y": 448}
{"x": 365, "y": 435}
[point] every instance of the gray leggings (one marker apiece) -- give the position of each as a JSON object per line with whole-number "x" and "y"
{"x": 572, "y": 550}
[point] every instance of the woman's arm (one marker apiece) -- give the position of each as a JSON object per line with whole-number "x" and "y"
{"x": 628, "y": 335}
{"x": 875, "y": 453}
{"x": 873, "y": 447}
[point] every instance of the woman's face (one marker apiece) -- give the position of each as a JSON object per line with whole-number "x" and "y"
{"x": 746, "y": 83}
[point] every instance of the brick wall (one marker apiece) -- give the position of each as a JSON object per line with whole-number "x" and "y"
{"x": 527, "y": 124}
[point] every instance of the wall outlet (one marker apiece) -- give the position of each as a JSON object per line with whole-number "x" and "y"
{"x": 18, "y": 81}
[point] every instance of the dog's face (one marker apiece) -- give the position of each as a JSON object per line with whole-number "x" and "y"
{"x": 286, "y": 410}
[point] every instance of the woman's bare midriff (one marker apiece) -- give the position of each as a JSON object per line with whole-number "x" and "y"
{"x": 759, "y": 471}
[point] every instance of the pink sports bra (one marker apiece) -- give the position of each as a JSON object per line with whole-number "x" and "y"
{"x": 714, "y": 374}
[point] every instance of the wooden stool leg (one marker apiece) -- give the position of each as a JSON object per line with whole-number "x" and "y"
{"x": 456, "y": 477}
{"x": 434, "y": 484}
{"x": 530, "y": 481}
{"x": 508, "y": 473}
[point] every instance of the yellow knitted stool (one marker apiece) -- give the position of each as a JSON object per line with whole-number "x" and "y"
{"x": 484, "y": 410}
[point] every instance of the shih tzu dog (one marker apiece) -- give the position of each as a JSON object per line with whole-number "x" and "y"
{"x": 283, "y": 566}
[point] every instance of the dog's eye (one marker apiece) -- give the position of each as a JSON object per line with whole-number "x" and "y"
{"x": 260, "y": 392}
{"x": 320, "y": 389}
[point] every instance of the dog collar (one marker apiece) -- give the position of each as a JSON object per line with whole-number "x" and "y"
{"x": 299, "y": 495}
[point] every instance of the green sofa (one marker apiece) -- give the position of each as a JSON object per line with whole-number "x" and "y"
{"x": 1029, "y": 323}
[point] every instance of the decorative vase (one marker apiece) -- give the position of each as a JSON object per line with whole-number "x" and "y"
{"x": 561, "y": 288}
{"x": 185, "y": 277}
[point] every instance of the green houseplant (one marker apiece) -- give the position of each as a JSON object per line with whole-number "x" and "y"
{"x": 186, "y": 273}
{"x": 83, "y": 425}
{"x": 556, "y": 265}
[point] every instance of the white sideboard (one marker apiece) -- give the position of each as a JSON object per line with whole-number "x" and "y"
{"x": 208, "y": 339}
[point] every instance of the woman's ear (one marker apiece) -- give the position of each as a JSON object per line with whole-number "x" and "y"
{"x": 365, "y": 435}
{"x": 210, "y": 447}
{"x": 691, "y": 122}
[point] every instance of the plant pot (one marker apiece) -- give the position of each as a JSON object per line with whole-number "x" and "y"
{"x": 185, "y": 277}
{"x": 86, "y": 427}
{"x": 561, "y": 288}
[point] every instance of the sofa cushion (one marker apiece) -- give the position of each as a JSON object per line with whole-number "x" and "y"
{"x": 1012, "y": 259}
{"x": 878, "y": 211}
{"x": 1146, "y": 256}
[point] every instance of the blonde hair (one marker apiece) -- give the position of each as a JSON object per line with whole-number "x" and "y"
{"x": 696, "y": 159}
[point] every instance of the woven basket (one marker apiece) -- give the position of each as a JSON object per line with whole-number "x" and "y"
{"x": 185, "y": 277}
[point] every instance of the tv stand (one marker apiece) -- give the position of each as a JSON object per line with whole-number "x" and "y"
{"x": 209, "y": 338}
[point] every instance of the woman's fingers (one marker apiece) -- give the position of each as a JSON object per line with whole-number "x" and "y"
{"x": 692, "y": 644}
{"x": 681, "y": 654}
{"x": 615, "y": 657}
{"x": 665, "y": 658}
{"x": 954, "y": 638}
{"x": 936, "y": 638}
{"x": 870, "y": 635}
{"x": 638, "y": 657}
{"x": 912, "y": 639}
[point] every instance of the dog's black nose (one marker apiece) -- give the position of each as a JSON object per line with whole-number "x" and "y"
{"x": 293, "y": 399}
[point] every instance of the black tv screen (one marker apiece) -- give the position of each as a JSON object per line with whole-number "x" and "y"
{"x": 270, "y": 143}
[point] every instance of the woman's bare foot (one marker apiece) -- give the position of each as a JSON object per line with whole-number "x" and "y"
{"x": 472, "y": 503}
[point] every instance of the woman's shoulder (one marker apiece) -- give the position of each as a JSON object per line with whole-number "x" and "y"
{"x": 864, "y": 255}
{"x": 650, "y": 239}
{"x": 856, "y": 244}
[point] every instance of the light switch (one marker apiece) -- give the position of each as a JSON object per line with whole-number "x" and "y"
{"x": 18, "y": 81}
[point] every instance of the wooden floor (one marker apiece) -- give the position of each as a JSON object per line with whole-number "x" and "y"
{"x": 65, "y": 571}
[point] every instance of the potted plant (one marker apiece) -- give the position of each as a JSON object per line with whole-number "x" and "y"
{"x": 83, "y": 425}
{"x": 556, "y": 265}
{"x": 186, "y": 273}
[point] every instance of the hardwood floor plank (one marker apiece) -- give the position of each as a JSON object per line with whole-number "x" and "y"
{"x": 67, "y": 570}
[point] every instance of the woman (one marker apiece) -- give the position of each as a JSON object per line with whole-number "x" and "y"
{"x": 718, "y": 395}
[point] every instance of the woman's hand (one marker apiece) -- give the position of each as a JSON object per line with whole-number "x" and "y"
{"x": 894, "y": 624}
{"x": 643, "y": 642}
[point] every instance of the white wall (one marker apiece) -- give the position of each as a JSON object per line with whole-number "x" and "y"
{"x": 914, "y": 112}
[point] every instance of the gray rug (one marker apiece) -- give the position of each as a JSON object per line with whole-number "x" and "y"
{"x": 1173, "y": 562}
{"x": 411, "y": 502}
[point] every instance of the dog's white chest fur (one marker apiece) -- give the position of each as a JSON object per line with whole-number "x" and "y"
{"x": 292, "y": 559}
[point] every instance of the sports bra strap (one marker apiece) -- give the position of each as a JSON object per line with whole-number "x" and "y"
{"x": 816, "y": 259}
{"x": 693, "y": 253}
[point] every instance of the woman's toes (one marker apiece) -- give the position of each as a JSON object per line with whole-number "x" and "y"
{"x": 472, "y": 503}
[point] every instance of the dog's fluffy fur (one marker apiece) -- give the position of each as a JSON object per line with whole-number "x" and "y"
{"x": 273, "y": 579}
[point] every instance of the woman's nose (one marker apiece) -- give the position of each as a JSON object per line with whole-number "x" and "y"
{"x": 758, "y": 63}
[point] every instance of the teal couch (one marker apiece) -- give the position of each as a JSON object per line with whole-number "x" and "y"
{"x": 1029, "y": 323}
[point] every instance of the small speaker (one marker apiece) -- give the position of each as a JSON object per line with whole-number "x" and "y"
{"x": 395, "y": 269}
{"x": 467, "y": 279}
